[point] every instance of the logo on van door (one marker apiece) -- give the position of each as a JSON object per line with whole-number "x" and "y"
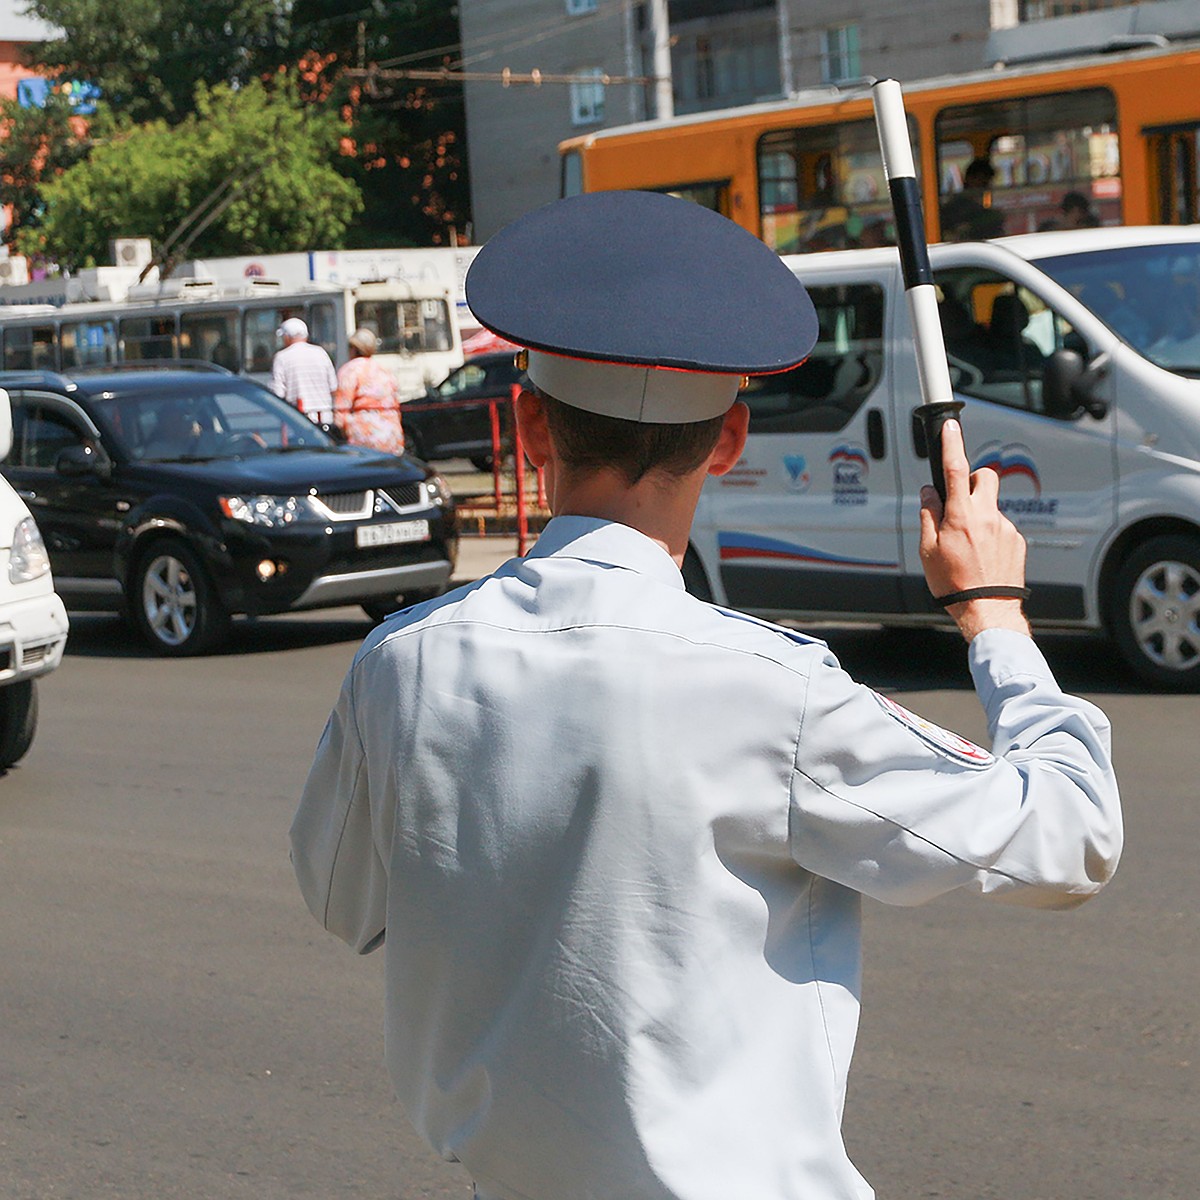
{"x": 798, "y": 474}
{"x": 849, "y": 466}
{"x": 1010, "y": 462}
{"x": 1018, "y": 473}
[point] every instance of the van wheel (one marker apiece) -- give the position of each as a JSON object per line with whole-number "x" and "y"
{"x": 1154, "y": 612}
{"x": 18, "y": 721}
{"x": 174, "y": 602}
{"x": 694, "y": 577}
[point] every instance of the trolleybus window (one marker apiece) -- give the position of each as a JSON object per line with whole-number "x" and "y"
{"x": 1174, "y": 154}
{"x": 30, "y": 348}
{"x": 148, "y": 337}
{"x": 210, "y": 335}
{"x": 86, "y": 343}
{"x": 322, "y": 328}
{"x": 823, "y": 188}
{"x": 1040, "y": 149}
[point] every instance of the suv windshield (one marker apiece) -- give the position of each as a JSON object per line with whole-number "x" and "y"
{"x": 1148, "y": 295}
{"x": 206, "y": 419}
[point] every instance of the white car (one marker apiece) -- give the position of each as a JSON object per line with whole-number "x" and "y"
{"x": 33, "y": 621}
{"x": 1077, "y": 355}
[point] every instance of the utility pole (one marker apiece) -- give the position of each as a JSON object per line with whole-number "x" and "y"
{"x": 787, "y": 82}
{"x": 664, "y": 99}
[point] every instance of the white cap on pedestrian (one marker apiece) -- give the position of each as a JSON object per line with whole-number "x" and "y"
{"x": 293, "y": 327}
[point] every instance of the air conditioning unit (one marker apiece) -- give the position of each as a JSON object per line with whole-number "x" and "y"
{"x": 14, "y": 269}
{"x": 131, "y": 252}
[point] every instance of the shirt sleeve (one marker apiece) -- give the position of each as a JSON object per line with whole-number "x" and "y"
{"x": 901, "y": 810}
{"x": 277, "y": 384}
{"x": 339, "y": 868}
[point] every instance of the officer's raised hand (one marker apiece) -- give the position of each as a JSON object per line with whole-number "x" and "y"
{"x": 968, "y": 545}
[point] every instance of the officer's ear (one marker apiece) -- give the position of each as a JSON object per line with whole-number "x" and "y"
{"x": 732, "y": 441}
{"x": 533, "y": 428}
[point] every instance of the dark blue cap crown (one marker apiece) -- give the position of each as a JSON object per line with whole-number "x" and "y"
{"x": 643, "y": 279}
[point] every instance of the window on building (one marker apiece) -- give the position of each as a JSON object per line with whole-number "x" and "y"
{"x": 839, "y": 54}
{"x": 587, "y": 97}
{"x": 576, "y": 8}
{"x": 1040, "y": 10}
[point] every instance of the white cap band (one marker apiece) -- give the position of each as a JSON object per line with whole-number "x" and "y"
{"x": 654, "y": 396}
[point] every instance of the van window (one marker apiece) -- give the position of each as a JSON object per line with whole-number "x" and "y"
{"x": 825, "y": 391}
{"x": 998, "y": 336}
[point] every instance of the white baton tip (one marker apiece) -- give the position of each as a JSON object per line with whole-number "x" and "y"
{"x": 893, "y": 129}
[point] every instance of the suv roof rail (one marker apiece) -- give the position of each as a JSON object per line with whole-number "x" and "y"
{"x": 153, "y": 364}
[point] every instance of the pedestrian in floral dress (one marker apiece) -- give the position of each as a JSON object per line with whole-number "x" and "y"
{"x": 366, "y": 404}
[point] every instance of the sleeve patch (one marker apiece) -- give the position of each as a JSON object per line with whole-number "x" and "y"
{"x": 943, "y": 741}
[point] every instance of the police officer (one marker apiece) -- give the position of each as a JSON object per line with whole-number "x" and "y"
{"x": 616, "y": 837}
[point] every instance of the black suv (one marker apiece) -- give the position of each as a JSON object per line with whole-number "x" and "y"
{"x": 454, "y": 419}
{"x": 181, "y": 497}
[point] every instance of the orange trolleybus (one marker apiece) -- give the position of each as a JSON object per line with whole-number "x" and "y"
{"x": 1116, "y": 136}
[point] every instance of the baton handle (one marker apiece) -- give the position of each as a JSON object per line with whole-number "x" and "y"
{"x": 937, "y": 392}
{"x": 932, "y": 418}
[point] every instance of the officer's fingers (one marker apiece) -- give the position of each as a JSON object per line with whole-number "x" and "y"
{"x": 931, "y": 503}
{"x": 931, "y": 517}
{"x": 955, "y": 467}
{"x": 985, "y": 483}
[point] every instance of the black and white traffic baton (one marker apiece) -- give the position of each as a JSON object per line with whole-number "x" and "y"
{"x": 936, "y": 390}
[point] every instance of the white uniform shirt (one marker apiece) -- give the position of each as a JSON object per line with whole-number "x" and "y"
{"x": 618, "y": 837}
{"x": 303, "y": 375}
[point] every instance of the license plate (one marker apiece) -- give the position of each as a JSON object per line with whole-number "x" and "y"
{"x": 392, "y": 533}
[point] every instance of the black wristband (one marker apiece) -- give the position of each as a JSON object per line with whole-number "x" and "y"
{"x": 998, "y": 591}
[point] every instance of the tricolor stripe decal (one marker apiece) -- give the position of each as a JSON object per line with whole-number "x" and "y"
{"x": 740, "y": 546}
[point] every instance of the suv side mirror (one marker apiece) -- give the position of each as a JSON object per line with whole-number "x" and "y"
{"x": 1068, "y": 385}
{"x": 82, "y": 459}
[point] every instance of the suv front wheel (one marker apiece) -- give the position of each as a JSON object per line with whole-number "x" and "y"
{"x": 174, "y": 603}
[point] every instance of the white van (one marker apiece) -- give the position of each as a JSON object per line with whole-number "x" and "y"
{"x": 1078, "y": 357}
{"x": 33, "y": 621}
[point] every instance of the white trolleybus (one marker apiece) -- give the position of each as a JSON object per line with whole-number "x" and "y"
{"x": 235, "y": 327}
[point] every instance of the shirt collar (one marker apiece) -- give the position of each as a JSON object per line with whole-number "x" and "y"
{"x": 607, "y": 543}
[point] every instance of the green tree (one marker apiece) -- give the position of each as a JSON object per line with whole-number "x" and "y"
{"x": 409, "y": 138}
{"x": 36, "y": 146}
{"x": 250, "y": 171}
{"x": 148, "y": 56}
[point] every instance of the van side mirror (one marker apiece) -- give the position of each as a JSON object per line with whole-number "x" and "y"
{"x": 1068, "y": 385}
{"x": 82, "y": 459}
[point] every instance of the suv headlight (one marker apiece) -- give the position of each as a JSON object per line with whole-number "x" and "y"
{"x": 271, "y": 512}
{"x": 28, "y": 559}
{"x": 438, "y": 490}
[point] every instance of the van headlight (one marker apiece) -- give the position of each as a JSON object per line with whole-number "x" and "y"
{"x": 28, "y": 559}
{"x": 270, "y": 512}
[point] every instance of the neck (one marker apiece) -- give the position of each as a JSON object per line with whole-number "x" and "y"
{"x": 658, "y": 506}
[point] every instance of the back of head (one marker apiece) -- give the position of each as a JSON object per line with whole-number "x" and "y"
{"x": 639, "y": 310}
{"x": 293, "y": 329}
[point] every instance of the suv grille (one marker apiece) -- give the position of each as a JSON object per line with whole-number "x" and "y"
{"x": 345, "y": 504}
{"x": 405, "y": 495}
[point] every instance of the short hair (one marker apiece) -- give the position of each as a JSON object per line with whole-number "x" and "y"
{"x": 588, "y": 441}
{"x": 1075, "y": 200}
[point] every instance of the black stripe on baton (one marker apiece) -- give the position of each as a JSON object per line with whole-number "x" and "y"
{"x": 910, "y": 231}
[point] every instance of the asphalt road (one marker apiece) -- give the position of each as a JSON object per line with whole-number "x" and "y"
{"x": 173, "y": 1023}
